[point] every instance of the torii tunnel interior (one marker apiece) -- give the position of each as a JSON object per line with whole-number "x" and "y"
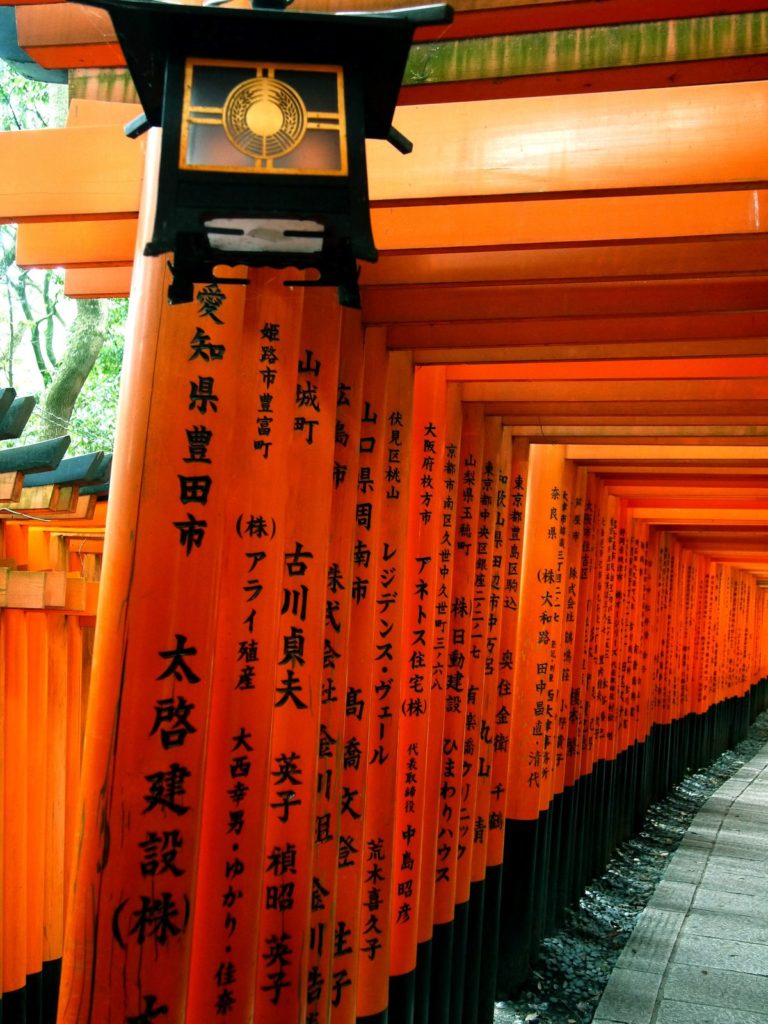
{"x": 405, "y": 615}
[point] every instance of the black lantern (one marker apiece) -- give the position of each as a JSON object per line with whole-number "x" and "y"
{"x": 265, "y": 114}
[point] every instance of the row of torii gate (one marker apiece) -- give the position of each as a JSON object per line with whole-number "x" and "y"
{"x": 408, "y": 613}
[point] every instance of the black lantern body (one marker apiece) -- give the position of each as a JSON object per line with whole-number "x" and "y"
{"x": 265, "y": 115}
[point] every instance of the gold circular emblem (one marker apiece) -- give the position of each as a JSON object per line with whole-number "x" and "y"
{"x": 264, "y": 118}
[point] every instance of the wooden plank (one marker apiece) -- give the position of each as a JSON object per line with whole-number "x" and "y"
{"x": 97, "y": 243}
{"x": 627, "y": 421}
{"x": 492, "y": 302}
{"x": 83, "y": 508}
{"x": 41, "y": 455}
{"x": 68, "y": 35}
{"x": 570, "y": 353}
{"x": 16, "y": 417}
{"x": 80, "y": 468}
{"x": 88, "y": 112}
{"x": 98, "y": 173}
{"x": 658, "y": 409}
{"x": 707, "y": 480}
{"x": 587, "y": 330}
{"x": 572, "y": 263}
{"x": 74, "y": 599}
{"x": 10, "y": 486}
{"x": 423, "y": 227}
{"x": 630, "y": 435}
{"x": 585, "y": 437}
{"x": 65, "y": 507}
{"x": 55, "y": 589}
{"x": 37, "y": 498}
{"x": 597, "y": 454}
{"x": 606, "y": 391}
{"x": 19, "y": 589}
{"x": 25, "y": 589}
{"x": 102, "y": 283}
{"x": 654, "y": 139}
{"x": 616, "y": 369}
{"x": 7, "y": 398}
{"x": 112, "y": 243}
{"x": 505, "y": 147}
{"x": 708, "y": 517}
{"x": 651, "y": 489}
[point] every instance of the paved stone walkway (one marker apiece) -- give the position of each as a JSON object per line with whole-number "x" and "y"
{"x": 699, "y": 952}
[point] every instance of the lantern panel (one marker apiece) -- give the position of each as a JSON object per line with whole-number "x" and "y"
{"x": 263, "y": 118}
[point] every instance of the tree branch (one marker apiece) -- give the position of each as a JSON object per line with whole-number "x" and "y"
{"x": 87, "y": 337}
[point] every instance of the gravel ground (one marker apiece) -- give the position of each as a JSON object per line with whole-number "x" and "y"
{"x": 567, "y": 981}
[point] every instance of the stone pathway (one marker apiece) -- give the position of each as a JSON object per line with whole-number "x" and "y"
{"x": 699, "y": 952}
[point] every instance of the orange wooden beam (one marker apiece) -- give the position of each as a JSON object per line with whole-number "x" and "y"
{"x": 111, "y": 242}
{"x": 613, "y": 370}
{"x": 744, "y": 255}
{"x": 565, "y": 391}
{"x": 69, "y": 172}
{"x": 665, "y": 138}
{"x": 671, "y": 420}
{"x": 97, "y": 243}
{"x": 84, "y": 113}
{"x": 657, "y": 409}
{"x": 103, "y": 283}
{"x": 489, "y": 223}
{"x": 595, "y": 455}
{"x": 113, "y": 158}
{"x": 596, "y": 330}
{"x": 727, "y": 347}
{"x": 717, "y": 485}
{"x": 713, "y": 517}
{"x": 493, "y": 302}
{"x": 682, "y": 502}
{"x": 658, "y": 435}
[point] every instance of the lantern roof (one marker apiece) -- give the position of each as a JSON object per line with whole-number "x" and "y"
{"x": 376, "y": 45}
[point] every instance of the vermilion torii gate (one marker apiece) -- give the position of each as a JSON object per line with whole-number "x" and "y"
{"x": 410, "y": 613}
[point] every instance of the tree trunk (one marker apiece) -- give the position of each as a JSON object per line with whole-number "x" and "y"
{"x": 86, "y": 339}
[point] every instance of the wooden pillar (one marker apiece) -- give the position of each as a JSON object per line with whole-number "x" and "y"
{"x": 15, "y": 821}
{"x": 376, "y": 993}
{"x": 420, "y": 710}
{"x": 340, "y": 789}
{"x": 194, "y": 879}
{"x": 437, "y": 911}
{"x": 533, "y": 743}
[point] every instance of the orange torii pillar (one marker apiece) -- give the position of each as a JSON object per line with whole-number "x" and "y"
{"x": 193, "y": 885}
{"x": 393, "y": 414}
{"x": 421, "y": 706}
{"x": 533, "y": 754}
{"x": 450, "y": 913}
{"x": 436, "y": 907}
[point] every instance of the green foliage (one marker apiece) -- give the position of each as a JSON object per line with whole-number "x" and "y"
{"x": 25, "y": 104}
{"x": 36, "y": 318}
{"x": 92, "y": 426}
